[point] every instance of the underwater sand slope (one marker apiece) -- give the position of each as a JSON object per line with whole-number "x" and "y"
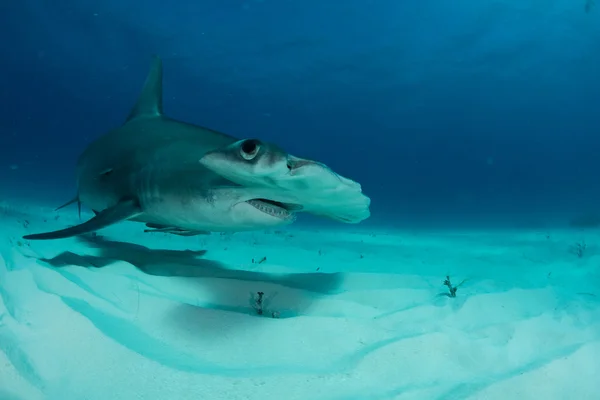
{"x": 358, "y": 315}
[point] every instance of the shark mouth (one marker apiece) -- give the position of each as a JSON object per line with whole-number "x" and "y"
{"x": 275, "y": 208}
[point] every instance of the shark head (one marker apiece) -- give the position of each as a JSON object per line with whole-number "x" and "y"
{"x": 309, "y": 185}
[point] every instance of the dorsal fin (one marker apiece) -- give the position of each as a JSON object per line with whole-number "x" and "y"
{"x": 149, "y": 103}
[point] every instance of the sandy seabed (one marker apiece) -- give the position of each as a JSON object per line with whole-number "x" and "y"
{"x": 347, "y": 314}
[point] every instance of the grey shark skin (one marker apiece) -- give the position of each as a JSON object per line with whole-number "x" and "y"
{"x": 153, "y": 169}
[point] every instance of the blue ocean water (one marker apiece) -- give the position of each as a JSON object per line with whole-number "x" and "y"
{"x": 459, "y": 113}
{"x": 474, "y": 120}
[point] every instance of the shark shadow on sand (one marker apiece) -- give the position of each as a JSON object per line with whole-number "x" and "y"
{"x": 186, "y": 263}
{"x": 230, "y": 290}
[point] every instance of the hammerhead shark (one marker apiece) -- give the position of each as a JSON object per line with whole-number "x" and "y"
{"x": 188, "y": 180}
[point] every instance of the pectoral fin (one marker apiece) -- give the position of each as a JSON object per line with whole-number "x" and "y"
{"x": 181, "y": 232}
{"x": 124, "y": 210}
{"x": 173, "y": 230}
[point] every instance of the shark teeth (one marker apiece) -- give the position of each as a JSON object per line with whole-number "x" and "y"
{"x": 270, "y": 208}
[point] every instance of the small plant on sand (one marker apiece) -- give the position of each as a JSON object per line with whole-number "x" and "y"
{"x": 579, "y": 249}
{"x": 451, "y": 288}
{"x": 259, "y": 302}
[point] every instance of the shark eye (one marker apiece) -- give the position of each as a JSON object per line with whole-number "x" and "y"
{"x": 249, "y": 149}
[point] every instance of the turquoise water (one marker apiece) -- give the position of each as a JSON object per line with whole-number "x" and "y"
{"x": 470, "y": 126}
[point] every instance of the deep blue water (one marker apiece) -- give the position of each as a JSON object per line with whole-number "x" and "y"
{"x": 462, "y": 110}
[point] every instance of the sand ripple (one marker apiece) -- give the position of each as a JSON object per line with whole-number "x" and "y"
{"x": 98, "y": 318}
